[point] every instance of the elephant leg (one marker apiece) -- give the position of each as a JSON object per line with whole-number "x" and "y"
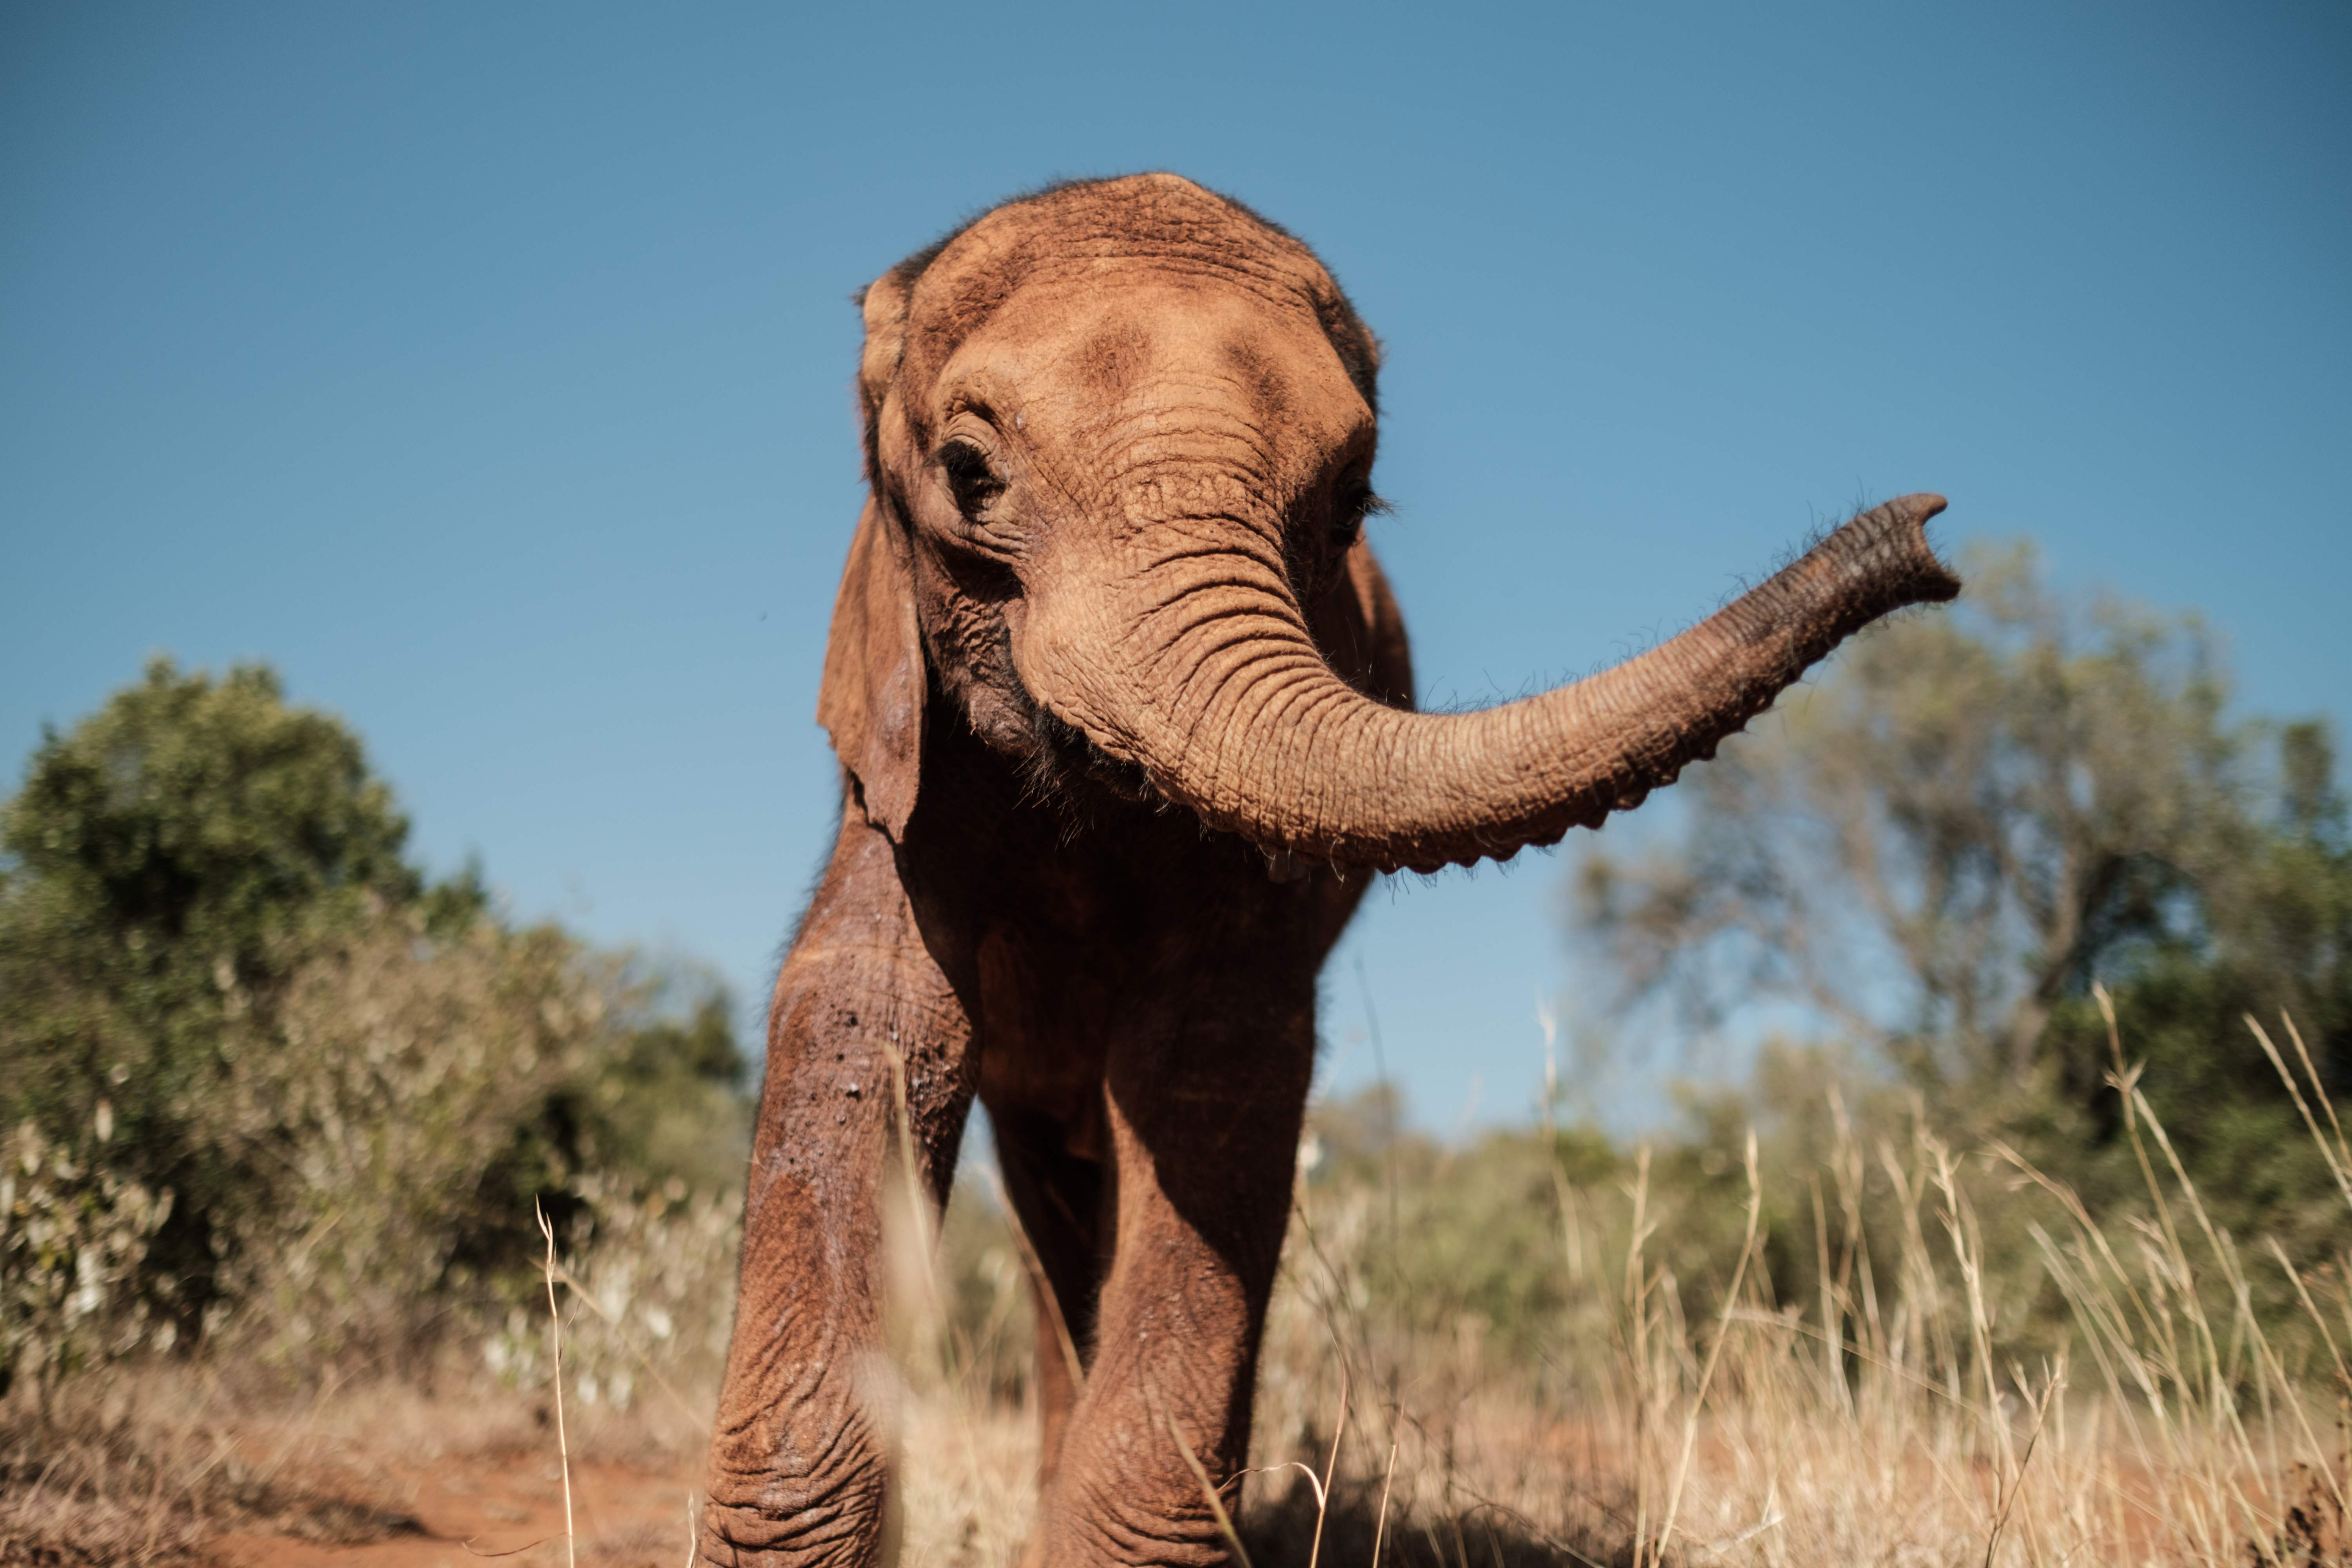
{"x": 1205, "y": 1114}
{"x": 1057, "y": 1200}
{"x": 797, "y": 1471}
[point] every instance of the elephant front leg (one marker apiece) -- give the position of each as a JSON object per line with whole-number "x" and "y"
{"x": 1205, "y": 1121}
{"x": 798, "y": 1471}
{"x": 1057, "y": 1201}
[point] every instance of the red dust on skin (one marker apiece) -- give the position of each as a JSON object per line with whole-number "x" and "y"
{"x": 1123, "y": 705}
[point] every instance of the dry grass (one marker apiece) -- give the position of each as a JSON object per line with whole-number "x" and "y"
{"x": 151, "y": 1466}
{"x": 148, "y": 1458}
{"x": 1890, "y": 1419}
{"x": 1885, "y": 1422}
{"x": 145, "y": 1469}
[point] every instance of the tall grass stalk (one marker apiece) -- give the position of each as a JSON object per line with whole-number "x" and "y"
{"x": 1983, "y": 1367}
{"x": 1927, "y": 1415}
{"x": 555, "y": 1355}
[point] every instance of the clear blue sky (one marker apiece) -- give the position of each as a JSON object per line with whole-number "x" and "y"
{"x": 485, "y": 368}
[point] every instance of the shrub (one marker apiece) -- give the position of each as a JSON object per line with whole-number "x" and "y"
{"x": 273, "y": 1085}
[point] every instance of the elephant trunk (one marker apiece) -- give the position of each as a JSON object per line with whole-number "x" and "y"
{"x": 1213, "y": 684}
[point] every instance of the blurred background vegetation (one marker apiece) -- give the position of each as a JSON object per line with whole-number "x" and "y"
{"x": 1926, "y": 869}
{"x": 271, "y": 1097}
{"x": 264, "y": 1085}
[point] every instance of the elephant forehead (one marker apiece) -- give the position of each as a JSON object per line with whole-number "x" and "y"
{"x": 1147, "y": 353}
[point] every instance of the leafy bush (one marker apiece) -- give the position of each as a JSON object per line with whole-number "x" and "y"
{"x": 393, "y": 1121}
{"x": 74, "y": 1235}
{"x": 271, "y": 1084}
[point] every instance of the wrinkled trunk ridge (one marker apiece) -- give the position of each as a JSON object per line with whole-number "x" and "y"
{"x": 1260, "y": 737}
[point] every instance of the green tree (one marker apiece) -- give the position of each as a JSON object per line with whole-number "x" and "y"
{"x": 1966, "y": 820}
{"x": 223, "y": 989}
{"x": 1974, "y": 818}
{"x": 2269, "y": 942}
{"x": 169, "y": 862}
{"x": 668, "y": 1097}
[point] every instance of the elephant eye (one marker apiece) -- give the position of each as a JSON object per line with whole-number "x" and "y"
{"x": 970, "y": 479}
{"x": 1355, "y": 504}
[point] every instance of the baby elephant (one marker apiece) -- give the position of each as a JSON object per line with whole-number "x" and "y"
{"x": 1125, "y": 718}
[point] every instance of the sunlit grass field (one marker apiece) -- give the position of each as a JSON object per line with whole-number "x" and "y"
{"x": 2130, "y": 1397}
{"x": 1891, "y": 1418}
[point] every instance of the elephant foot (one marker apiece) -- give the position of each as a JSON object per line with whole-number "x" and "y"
{"x": 1127, "y": 1548}
{"x": 844, "y": 1529}
{"x": 1136, "y": 1525}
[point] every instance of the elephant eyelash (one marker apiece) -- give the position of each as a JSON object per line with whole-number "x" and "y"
{"x": 970, "y": 479}
{"x": 1349, "y": 519}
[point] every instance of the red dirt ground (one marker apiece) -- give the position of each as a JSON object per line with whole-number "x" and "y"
{"x": 469, "y": 1511}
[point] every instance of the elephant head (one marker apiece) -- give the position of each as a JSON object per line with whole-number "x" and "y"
{"x": 1119, "y": 437}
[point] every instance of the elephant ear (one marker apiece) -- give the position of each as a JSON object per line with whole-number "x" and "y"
{"x": 872, "y": 699}
{"x": 884, "y": 306}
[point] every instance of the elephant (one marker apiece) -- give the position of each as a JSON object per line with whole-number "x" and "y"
{"x": 1124, "y": 712}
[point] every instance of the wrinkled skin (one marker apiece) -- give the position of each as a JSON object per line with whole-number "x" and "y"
{"x": 1123, "y": 706}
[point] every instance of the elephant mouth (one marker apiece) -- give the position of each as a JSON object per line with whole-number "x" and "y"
{"x": 1065, "y": 771}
